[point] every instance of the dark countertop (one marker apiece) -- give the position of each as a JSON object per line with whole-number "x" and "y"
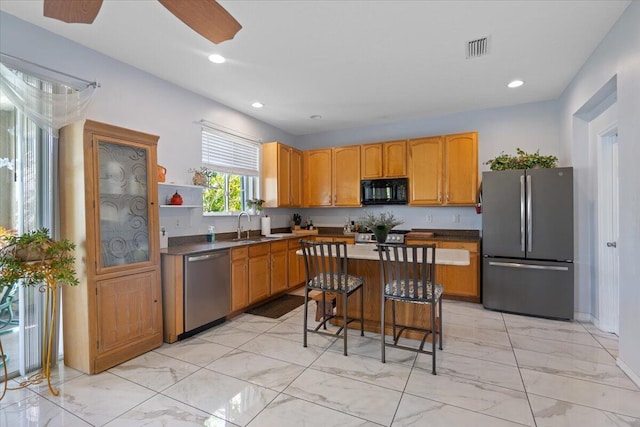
{"x": 450, "y": 235}
{"x": 189, "y": 245}
{"x": 194, "y": 248}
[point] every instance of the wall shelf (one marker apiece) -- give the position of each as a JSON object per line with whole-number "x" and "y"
{"x": 170, "y": 184}
{"x": 191, "y": 195}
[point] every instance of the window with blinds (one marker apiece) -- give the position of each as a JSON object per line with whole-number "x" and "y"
{"x": 226, "y": 153}
{"x": 235, "y": 165}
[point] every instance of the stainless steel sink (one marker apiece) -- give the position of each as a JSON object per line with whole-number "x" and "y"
{"x": 278, "y": 235}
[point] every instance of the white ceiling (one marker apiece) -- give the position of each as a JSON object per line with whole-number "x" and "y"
{"x": 355, "y": 63}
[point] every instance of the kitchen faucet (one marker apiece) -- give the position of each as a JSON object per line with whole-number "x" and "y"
{"x": 239, "y": 227}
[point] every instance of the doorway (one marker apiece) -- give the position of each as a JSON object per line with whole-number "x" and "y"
{"x": 604, "y": 134}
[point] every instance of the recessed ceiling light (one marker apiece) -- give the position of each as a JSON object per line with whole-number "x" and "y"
{"x": 315, "y": 117}
{"x": 515, "y": 83}
{"x": 217, "y": 59}
{"x": 257, "y": 104}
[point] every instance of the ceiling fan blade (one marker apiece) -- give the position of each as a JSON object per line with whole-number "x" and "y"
{"x": 205, "y": 17}
{"x": 72, "y": 11}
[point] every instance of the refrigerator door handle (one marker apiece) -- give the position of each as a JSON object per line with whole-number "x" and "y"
{"x": 527, "y": 266}
{"x": 529, "y": 216}
{"x": 522, "y": 211}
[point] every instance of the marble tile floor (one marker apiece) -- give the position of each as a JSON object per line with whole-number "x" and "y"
{"x": 495, "y": 370}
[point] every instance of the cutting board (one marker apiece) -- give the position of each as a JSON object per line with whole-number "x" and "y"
{"x": 305, "y": 232}
{"x": 419, "y": 235}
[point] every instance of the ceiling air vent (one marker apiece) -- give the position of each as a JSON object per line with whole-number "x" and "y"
{"x": 478, "y": 47}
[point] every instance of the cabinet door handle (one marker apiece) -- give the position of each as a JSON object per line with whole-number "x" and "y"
{"x": 439, "y": 196}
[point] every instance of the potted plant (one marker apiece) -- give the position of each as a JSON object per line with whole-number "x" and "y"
{"x": 379, "y": 224}
{"x": 522, "y": 160}
{"x": 35, "y": 259}
{"x": 255, "y": 205}
{"x": 202, "y": 176}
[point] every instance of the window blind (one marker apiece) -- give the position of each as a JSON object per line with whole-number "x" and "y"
{"x": 228, "y": 153}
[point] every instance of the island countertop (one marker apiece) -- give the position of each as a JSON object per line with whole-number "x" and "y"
{"x": 443, "y": 256}
{"x": 364, "y": 262}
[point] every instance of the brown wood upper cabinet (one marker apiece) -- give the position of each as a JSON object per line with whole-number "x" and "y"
{"x": 383, "y": 160}
{"x": 443, "y": 170}
{"x": 109, "y": 209}
{"x": 281, "y": 175}
{"x": 332, "y": 176}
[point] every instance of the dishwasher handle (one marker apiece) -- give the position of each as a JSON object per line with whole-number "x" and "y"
{"x": 205, "y": 257}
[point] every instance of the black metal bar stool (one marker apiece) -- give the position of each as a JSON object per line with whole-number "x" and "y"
{"x": 409, "y": 276}
{"x": 326, "y": 268}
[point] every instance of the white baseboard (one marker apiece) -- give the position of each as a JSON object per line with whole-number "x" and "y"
{"x": 583, "y": 317}
{"x": 627, "y": 370}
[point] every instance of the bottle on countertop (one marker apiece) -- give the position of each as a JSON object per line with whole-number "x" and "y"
{"x": 310, "y": 222}
{"x": 211, "y": 234}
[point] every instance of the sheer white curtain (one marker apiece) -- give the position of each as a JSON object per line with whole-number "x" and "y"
{"x": 51, "y": 106}
{"x": 29, "y": 125}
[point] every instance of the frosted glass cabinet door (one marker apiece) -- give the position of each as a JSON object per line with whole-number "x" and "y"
{"x": 124, "y": 201}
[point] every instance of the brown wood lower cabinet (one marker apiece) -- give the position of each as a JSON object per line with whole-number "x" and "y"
{"x": 416, "y": 315}
{"x": 295, "y": 264}
{"x": 278, "y": 267}
{"x": 259, "y": 272}
{"x": 239, "y": 278}
{"x": 137, "y": 296}
{"x": 459, "y": 282}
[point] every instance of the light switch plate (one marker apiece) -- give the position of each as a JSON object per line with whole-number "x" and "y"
{"x": 164, "y": 238}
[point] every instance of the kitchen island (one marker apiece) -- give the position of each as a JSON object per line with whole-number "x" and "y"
{"x": 363, "y": 261}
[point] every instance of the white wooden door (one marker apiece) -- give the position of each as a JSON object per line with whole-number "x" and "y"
{"x": 607, "y": 266}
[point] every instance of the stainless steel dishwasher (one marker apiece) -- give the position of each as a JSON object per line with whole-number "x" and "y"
{"x": 207, "y": 290}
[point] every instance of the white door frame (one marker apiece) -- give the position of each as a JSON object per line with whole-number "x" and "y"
{"x": 604, "y": 132}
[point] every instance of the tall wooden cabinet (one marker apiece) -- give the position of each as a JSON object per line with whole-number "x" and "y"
{"x": 109, "y": 209}
{"x": 281, "y": 175}
{"x": 443, "y": 170}
{"x": 332, "y": 176}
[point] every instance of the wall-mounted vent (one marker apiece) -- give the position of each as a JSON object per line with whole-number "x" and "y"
{"x": 478, "y": 47}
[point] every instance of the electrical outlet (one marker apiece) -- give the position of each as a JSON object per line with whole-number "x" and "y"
{"x": 429, "y": 219}
{"x": 456, "y": 218}
{"x": 177, "y": 223}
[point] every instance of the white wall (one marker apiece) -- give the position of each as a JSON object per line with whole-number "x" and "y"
{"x": 134, "y": 99}
{"x": 531, "y": 127}
{"x": 618, "y": 55}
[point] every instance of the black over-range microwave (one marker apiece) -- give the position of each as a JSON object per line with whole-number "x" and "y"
{"x": 384, "y": 191}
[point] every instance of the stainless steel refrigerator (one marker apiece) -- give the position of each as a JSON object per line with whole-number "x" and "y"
{"x": 527, "y": 242}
